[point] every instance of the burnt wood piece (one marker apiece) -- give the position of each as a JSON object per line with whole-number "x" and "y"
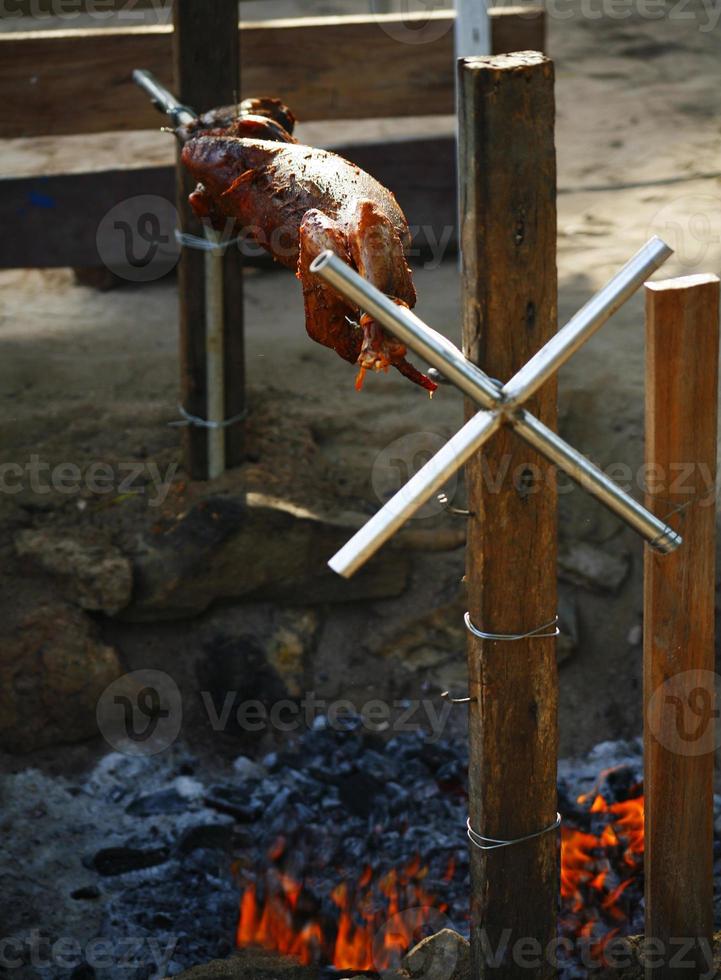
{"x": 509, "y": 281}
{"x": 206, "y": 59}
{"x": 682, "y": 345}
{"x": 334, "y": 68}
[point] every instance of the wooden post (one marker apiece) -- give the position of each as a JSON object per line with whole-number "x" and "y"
{"x": 682, "y": 340}
{"x": 207, "y": 74}
{"x": 508, "y": 235}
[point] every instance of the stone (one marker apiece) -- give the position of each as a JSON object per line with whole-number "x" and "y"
{"x": 251, "y": 964}
{"x": 53, "y": 669}
{"x": 247, "y": 769}
{"x": 91, "y": 573}
{"x": 290, "y": 646}
{"x": 635, "y": 635}
{"x": 261, "y": 548}
{"x": 110, "y": 861}
{"x": 444, "y": 956}
{"x": 583, "y": 564}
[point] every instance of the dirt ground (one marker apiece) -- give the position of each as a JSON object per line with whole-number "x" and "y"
{"x": 93, "y": 376}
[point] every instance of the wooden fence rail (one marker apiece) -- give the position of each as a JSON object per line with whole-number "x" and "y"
{"x": 335, "y": 68}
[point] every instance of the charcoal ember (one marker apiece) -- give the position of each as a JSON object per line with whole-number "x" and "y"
{"x": 111, "y": 861}
{"x": 437, "y": 754}
{"x": 235, "y": 803}
{"x": 83, "y": 971}
{"x": 164, "y": 801}
{"x": 380, "y": 767}
{"x": 208, "y": 837}
{"x": 358, "y": 792}
{"x": 87, "y": 893}
{"x": 279, "y": 803}
{"x": 302, "y": 814}
{"x": 619, "y": 783}
{"x": 245, "y": 768}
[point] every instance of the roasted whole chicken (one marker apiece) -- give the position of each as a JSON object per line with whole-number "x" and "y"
{"x": 296, "y": 201}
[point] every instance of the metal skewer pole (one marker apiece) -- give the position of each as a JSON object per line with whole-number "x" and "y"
{"x": 163, "y": 100}
{"x": 587, "y": 321}
{"x": 182, "y": 115}
{"x": 448, "y": 359}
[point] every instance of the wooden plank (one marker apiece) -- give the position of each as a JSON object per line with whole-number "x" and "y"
{"x": 508, "y": 236}
{"x": 420, "y": 171}
{"x": 203, "y": 82}
{"x": 326, "y": 68}
{"x": 682, "y": 338}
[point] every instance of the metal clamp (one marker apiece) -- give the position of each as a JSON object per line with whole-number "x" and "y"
{"x": 204, "y": 244}
{"x": 492, "y": 843}
{"x": 446, "y": 695}
{"x": 537, "y": 633}
{"x": 199, "y": 423}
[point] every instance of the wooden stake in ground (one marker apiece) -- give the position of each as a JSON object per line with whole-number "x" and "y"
{"x": 207, "y": 74}
{"x": 682, "y": 337}
{"x": 508, "y": 234}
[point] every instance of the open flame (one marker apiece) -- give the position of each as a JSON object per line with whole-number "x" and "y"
{"x": 376, "y": 920}
{"x": 369, "y": 924}
{"x": 601, "y": 867}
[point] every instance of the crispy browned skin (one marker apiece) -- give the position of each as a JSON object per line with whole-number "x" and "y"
{"x": 296, "y": 201}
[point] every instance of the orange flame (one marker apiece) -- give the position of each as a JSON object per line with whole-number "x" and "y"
{"x": 591, "y": 864}
{"x": 378, "y": 920}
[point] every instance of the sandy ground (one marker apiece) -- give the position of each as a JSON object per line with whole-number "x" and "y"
{"x": 84, "y": 375}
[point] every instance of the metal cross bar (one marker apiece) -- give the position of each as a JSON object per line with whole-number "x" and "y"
{"x": 502, "y": 403}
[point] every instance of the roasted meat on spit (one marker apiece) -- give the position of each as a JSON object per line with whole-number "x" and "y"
{"x": 296, "y": 201}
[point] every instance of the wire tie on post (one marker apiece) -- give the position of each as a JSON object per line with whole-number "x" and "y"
{"x": 491, "y": 843}
{"x": 537, "y": 633}
{"x": 446, "y": 695}
{"x": 443, "y": 500}
{"x": 195, "y": 420}
{"x": 204, "y": 244}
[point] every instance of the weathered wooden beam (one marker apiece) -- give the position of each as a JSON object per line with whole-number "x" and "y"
{"x": 55, "y": 219}
{"x": 325, "y": 67}
{"x": 509, "y": 281}
{"x": 206, "y": 68}
{"x": 682, "y": 344}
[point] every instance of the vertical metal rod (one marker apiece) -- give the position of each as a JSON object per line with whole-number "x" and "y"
{"x": 214, "y": 353}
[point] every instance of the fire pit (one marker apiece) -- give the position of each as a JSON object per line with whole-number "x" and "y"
{"x": 340, "y": 850}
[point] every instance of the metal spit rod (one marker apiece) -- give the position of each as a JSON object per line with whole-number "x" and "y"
{"x": 163, "y": 99}
{"x": 448, "y": 359}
